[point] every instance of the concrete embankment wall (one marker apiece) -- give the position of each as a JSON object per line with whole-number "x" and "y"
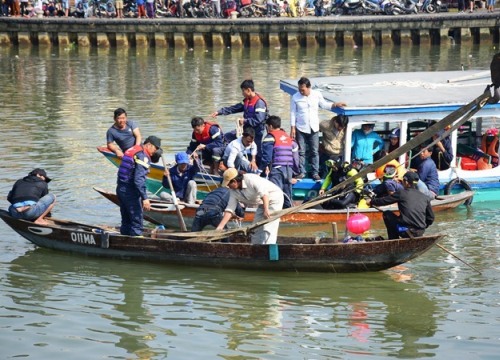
{"x": 477, "y": 28}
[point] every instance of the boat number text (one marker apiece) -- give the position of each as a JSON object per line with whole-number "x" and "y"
{"x": 83, "y": 238}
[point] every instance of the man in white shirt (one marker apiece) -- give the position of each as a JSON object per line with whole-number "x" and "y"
{"x": 304, "y": 122}
{"x": 251, "y": 189}
{"x": 241, "y": 153}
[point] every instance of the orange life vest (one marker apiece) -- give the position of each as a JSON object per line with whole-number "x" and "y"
{"x": 204, "y": 137}
{"x": 490, "y": 149}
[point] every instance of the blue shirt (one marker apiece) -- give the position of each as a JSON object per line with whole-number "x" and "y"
{"x": 365, "y": 145}
{"x": 125, "y": 138}
{"x": 180, "y": 180}
{"x": 427, "y": 172}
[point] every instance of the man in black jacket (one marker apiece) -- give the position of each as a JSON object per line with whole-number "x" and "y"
{"x": 415, "y": 210}
{"x": 30, "y": 197}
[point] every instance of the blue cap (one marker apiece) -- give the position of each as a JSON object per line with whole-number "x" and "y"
{"x": 182, "y": 158}
{"x": 394, "y": 133}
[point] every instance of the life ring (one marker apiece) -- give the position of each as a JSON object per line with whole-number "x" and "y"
{"x": 400, "y": 170}
{"x": 458, "y": 182}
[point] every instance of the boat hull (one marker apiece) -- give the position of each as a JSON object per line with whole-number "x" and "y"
{"x": 290, "y": 254}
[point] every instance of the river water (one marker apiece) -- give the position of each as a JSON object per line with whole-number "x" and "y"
{"x": 55, "y": 109}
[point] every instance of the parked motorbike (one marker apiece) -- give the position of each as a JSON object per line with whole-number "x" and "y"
{"x": 348, "y": 7}
{"x": 398, "y": 7}
{"x": 430, "y": 6}
{"x": 374, "y": 7}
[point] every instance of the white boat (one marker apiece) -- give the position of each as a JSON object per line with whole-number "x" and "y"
{"x": 404, "y": 100}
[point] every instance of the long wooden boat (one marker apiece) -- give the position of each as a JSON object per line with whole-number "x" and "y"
{"x": 230, "y": 251}
{"x": 164, "y": 213}
{"x": 410, "y": 101}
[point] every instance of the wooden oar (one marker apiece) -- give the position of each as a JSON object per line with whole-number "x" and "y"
{"x": 182, "y": 224}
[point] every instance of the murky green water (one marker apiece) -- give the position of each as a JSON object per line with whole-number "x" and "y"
{"x": 55, "y": 109}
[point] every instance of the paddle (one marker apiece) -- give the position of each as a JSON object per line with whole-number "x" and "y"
{"x": 182, "y": 224}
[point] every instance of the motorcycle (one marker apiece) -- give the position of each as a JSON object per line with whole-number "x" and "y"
{"x": 430, "y": 6}
{"x": 347, "y": 7}
{"x": 398, "y": 7}
{"x": 374, "y": 7}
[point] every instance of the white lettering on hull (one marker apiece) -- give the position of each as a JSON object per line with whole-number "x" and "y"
{"x": 83, "y": 238}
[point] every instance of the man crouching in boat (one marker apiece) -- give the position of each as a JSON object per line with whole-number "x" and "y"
{"x": 30, "y": 197}
{"x": 211, "y": 210}
{"x": 251, "y": 189}
{"x": 131, "y": 184}
{"x": 208, "y": 139}
{"x": 414, "y": 207}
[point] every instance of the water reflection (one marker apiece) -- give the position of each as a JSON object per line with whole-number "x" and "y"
{"x": 153, "y": 311}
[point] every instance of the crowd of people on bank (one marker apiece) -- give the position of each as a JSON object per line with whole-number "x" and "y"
{"x": 189, "y": 8}
{"x": 259, "y": 162}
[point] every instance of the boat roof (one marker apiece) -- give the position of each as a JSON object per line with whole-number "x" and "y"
{"x": 402, "y": 96}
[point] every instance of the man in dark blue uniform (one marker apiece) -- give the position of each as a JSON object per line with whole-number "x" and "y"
{"x": 254, "y": 109}
{"x": 414, "y": 207}
{"x": 212, "y": 209}
{"x": 280, "y": 158}
{"x": 131, "y": 184}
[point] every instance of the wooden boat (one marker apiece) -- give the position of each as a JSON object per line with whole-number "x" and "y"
{"x": 229, "y": 250}
{"x": 165, "y": 213}
{"x": 410, "y": 101}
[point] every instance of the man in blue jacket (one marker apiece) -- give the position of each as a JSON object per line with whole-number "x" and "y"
{"x": 254, "y": 109}
{"x": 131, "y": 184}
{"x": 365, "y": 143}
{"x": 182, "y": 175}
{"x": 211, "y": 210}
{"x": 428, "y": 174}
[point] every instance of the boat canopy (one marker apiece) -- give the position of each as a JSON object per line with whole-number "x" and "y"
{"x": 406, "y": 96}
{"x": 395, "y": 100}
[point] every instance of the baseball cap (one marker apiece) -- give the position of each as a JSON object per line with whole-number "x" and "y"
{"x": 153, "y": 140}
{"x": 41, "y": 172}
{"x": 228, "y": 175}
{"x": 411, "y": 177}
{"x": 182, "y": 158}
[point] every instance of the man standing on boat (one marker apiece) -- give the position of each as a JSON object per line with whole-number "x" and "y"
{"x": 442, "y": 155}
{"x": 280, "y": 158}
{"x": 415, "y": 209}
{"x": 304, "y": 122}
{"x": 333, "y": 142}
{"x": 211, "y": 210}
{"x": 254, "y": 109}
{"x": 30, "y": 197}
{"x": 251, "y": 189}
{"x": 427, "y": 172}
{"x": 209, "y": 140}
{"x": 131, "y": 184}
{"x": 123, "y": 134}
